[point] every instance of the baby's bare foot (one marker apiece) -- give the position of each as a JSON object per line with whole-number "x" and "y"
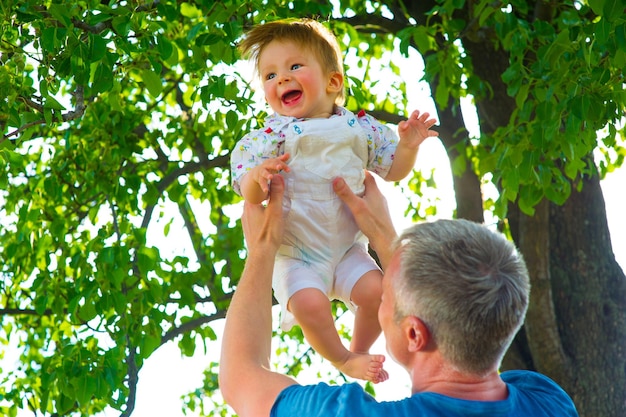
{"x": 363, "y": 366}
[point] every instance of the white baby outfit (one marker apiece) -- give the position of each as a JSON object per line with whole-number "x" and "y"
{"x": 322, "y": 247}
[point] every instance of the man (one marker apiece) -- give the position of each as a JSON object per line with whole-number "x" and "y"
{"x": 454, "y": 295}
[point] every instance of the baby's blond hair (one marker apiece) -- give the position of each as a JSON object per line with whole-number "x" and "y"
{"x": 306, "y": 33}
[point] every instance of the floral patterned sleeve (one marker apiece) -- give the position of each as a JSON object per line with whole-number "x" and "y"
{"x": 381, "y": 141}
{"x": 250, "y": 151}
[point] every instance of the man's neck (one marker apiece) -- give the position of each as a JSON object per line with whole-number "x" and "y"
{"x": 453, "y": 383}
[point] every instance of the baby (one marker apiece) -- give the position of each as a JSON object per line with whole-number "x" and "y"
{"x": 310, "y": 139}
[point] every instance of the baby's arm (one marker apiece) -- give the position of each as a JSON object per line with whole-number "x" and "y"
{"x": 254, "y": 184}
{"x": 412, "y": 133}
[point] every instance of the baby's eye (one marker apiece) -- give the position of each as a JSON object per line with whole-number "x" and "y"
{"x": 270, "y": 76}
{"x": 296, "y": 66}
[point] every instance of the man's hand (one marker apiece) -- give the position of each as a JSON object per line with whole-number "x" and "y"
{"x": 371, "y": 215}
{"x": 263, "y": 227}
{"x": 246, "y": 382}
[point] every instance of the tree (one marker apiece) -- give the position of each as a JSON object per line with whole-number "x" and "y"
{"x": 116, "y": 114}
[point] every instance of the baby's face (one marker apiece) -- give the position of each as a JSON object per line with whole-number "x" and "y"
{"x": 294, "y": 81}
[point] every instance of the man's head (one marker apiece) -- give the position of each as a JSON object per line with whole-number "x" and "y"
{"x": 307, "y": 37}
{"x": 468, "y": 285}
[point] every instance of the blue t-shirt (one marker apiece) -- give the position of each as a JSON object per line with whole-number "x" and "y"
{"x": 530, "y": 395}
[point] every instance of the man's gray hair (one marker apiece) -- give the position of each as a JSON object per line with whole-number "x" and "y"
{"x": 468, "y": 284}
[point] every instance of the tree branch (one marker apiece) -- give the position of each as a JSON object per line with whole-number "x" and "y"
{"x": 22, "y": 312}
{"x": 133, "y": 379}
{"x": 116, "y": 225}
{"x": 166, "y": 181}
{"x": 373, "y": 24}
{"x": 95, "y": 29}
{"x": 385, "y": 116}
{"x": 191, "y": 325}
{"x": 78, "y": 111}
{"x": 192, "y": 229}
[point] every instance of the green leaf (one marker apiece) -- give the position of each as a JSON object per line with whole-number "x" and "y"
{"x": 164, "y": 46}
{"x": 522, "y": 94}
{"x": 84, "y": 388}
{"x": 187, "y": 345}
{"x": 510, "y": 184}
{"x": 485, "y": 14}
{"x": 52, "y": 103}
{"x": 61, "y": 13}
{"x": 189, "y": 10}
{"x": 98, "y": 47}
{"x": 442, "y": 93}
{"x": 64, "y": 404}
{"x": 459, "y": 165}
{"x": 48, "y": 39}
{"x": 149, "y": 344}
{"x": 207, "y": 39}
{"x": 620, "y": 36}
{"x": 580, "y": 106}
{"x": 107, "y": 255}
{"x": 177, "y": 192}
{"x": 597, "y": 6}
{"x": 613, "y": 9}
{"x": 168, "y": 11}
{"x": 147, "y": 259}
{"x": 232, "y": 119}
{"x": 10, "y": 156}
{"x": 153, "y": 82}
{"x": 102, "y": 81}
{"x": 603, "y": 30}
{"x": 41, "y": 304}
{"x": 47, "y": 115}
{"x": 529, "y": 197}
{"x": 422, "y": 39}
{"x": 87, "y": 312}
{"x": 121, "y": 24}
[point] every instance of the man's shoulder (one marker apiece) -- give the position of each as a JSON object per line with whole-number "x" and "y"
{"x": 323, "y": 388}
{"x": 534, "y": 389}
{"x": 529, "y": 378}
{"x": 319, "y": 399}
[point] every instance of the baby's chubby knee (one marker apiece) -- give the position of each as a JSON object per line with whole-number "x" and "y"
{"x": 309, "y": 302}
{"x": 368, "y": 291}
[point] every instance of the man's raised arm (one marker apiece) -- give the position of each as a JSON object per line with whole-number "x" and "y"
{"x": 246, "y": 382}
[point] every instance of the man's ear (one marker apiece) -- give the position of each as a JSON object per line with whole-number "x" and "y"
{"x": 335, "y": 82}
{"x": 416, "y": 332}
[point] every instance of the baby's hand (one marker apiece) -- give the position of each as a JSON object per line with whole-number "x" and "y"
{"x": 416, "y": 129}
{"x": 262, "y": 174}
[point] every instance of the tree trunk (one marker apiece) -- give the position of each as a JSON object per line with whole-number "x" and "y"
{"x": 589, "y": 289}
{"x": 542, "y": 333}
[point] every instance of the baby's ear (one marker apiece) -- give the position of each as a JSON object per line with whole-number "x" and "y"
{"x": 335, "y": 82}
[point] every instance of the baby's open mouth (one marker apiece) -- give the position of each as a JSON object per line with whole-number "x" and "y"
{"x": 291, "y": 96}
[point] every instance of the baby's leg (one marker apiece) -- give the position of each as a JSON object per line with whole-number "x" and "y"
{"x": 366, "y": 295}
{"x": 312, "y": 310}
